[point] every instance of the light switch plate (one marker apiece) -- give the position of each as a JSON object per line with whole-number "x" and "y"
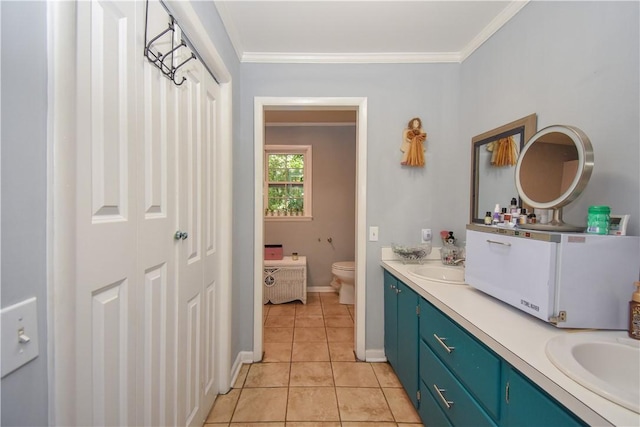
{"x": 19, "y": 335}
{"x": 373, "y": 234}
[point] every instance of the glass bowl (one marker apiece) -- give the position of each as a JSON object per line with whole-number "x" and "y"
{"x": 412, "y": 254}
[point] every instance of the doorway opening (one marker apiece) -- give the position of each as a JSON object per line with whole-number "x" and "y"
{"x": 359, "y": 106}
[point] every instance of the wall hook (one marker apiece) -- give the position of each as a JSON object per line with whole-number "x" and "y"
{"x": 158, "y": 59}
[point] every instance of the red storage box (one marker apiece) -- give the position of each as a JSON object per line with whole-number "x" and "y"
{"x": 273, "y": 252}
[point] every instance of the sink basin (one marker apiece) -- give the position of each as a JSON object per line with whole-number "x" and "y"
{"x": 439, "y": 273}
{"x": 607, "y": 363}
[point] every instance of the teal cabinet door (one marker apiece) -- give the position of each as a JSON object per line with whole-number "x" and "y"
{"x": 527, "y": 405}
{"x": 408, "y": 339}
{"x": 401, "y": 333}
{"x": 391, "y": 319}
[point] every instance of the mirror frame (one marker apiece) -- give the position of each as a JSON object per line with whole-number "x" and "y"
{"x": 585, "y": 159}
{"x": 526, "y": 127}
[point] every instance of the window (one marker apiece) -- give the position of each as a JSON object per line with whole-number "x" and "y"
{"x": 287, "y": 184}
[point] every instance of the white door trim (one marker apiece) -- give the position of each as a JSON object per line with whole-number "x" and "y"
{"x": 360, "y": 105}
{"x": 61, "y": 229}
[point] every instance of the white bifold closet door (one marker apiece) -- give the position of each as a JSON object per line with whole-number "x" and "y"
{"x": 145, "y": 301}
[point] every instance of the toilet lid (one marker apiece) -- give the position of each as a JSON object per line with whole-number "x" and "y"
{"x": 344, "y": 265}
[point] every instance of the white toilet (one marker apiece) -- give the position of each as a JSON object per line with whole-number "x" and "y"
{"x": 344, "y": 280}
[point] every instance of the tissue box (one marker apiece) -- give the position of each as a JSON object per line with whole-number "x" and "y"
{"x": 273, "y": 252}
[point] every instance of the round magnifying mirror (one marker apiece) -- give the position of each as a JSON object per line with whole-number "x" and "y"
{"x": 552, "y": 170}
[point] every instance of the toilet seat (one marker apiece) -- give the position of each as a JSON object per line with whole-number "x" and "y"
{"x": 344, "y": 265}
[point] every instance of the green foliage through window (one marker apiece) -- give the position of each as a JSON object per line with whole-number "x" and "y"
{"x": 285, "y": 176}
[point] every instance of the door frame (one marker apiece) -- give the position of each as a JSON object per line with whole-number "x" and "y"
{"x": 61, "y": 193}
{"x": 358, "y": 104}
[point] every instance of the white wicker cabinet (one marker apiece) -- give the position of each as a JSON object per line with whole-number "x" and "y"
{"x": 285, "y": 280}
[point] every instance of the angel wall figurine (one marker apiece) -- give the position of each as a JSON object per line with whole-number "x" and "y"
{"x": 413, "y": 138}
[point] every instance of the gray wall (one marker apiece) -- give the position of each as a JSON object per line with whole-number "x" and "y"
{"x": 574, "y": 63}
{"x": 401, "y": 200}
{"x": 334, "y": 194}
{"x": 24, "y": 196}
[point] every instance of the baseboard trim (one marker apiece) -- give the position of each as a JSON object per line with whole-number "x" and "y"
{"x": 242, "y": 358}
{"x": 321, "y": 289}
{"x": 375, "y": 355}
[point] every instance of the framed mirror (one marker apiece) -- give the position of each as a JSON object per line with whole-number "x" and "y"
{"x": 493, "y": 173}
{"x": 552, "y": 170}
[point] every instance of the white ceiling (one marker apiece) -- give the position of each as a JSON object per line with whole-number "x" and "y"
{"x": 362, "y": 31}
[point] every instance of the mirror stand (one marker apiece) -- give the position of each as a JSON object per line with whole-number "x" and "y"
{"x": 556, "y": 224}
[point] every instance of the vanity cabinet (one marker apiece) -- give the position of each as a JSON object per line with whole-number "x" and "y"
{"x": 461, "y": 381}
{"x": 528, "y": 406}
{"x": 401, "y": 333}
{"x": 474, "y": 367}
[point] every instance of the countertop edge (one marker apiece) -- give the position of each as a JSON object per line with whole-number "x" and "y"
{"x": 577, "y": 399}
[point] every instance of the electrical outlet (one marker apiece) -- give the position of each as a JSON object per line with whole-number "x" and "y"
{"x": 373, "y": 234}
{"x": 426, "y": 235}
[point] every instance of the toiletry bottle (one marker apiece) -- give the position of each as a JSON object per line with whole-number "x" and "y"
{"x": 502, "y": 212}
{"x": 513, "y": 208}
{"x": 487, "y": 218}
{"x": 496, "y": 215}
{"x": 634, "y": 313}
{"x": 523, "y": 216}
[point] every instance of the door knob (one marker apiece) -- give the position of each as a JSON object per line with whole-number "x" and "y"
{"x": 180, "y": 235}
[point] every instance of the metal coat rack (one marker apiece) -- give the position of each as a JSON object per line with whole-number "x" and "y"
{"x": 165, "y": 61}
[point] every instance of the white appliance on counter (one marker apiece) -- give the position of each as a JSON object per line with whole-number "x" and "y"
{"x": 571, "y": 280}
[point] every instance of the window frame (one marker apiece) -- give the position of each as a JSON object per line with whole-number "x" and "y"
{"x": 306, "y": 151}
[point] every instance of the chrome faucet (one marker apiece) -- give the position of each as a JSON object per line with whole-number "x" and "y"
{"x": 458, "y": 261}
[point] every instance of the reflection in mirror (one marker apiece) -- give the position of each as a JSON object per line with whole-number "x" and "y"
{"x": 552, "y": 171}
{"x": 493, "y": 179}
{"x": 559, "y": 155}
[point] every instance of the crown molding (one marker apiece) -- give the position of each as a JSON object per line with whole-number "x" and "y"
{"x": 309, "y": 124}
{"x": 349, "y": 58}
{"x": 502, "y": 18}
{"x": 366, "y": 58}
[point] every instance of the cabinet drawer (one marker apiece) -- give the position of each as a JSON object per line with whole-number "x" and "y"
{"x": 445, "y": 389}
{"x": 430, "y": 413}
{"x": 472, "y": 363}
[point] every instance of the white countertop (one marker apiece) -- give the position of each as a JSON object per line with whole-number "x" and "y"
{"x": 517, "y": 337}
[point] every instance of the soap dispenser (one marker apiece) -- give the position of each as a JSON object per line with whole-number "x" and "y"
{"x": 634, "y": 313}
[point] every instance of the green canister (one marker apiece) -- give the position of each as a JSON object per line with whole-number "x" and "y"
{"x": 598, "y": 220}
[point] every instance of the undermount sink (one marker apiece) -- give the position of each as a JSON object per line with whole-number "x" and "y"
{"x": 439, "y": 273}
{"x": 607, "y": 363}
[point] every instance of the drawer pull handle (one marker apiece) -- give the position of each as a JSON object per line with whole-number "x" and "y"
{"x": 498, "y": 243}
{"x": 447, "y": 403}
{"x": 441, "y": 341}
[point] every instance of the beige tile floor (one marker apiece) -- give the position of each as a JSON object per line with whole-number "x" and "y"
{"x": 309, "y": 376}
